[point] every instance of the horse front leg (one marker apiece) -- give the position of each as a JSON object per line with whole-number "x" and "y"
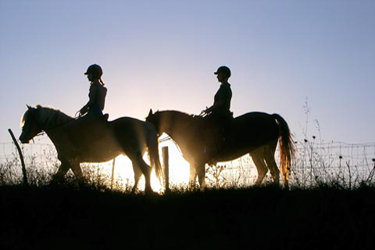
{"x": 77, "y": 171}
{"x": 201, "y": 175}
{"x": 61, "y": 172}
{"x": 193, "y": 175}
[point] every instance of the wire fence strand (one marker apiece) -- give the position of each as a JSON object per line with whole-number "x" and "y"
{"x": 315, "y": 162}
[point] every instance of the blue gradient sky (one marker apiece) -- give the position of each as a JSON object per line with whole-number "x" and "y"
{"x": 162, "y": 55}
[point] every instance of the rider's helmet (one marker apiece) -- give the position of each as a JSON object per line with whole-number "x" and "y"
{"x": 94, "y": 70}
{"x": 223, "y": 69}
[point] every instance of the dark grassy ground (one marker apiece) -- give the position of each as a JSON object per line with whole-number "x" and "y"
{"x": 255, "y": 218}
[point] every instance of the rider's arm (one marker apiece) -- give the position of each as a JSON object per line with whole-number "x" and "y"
{"x": 221, "y": 97}
{"x": 216, "y": 105}
{"x": 92, "y": 95}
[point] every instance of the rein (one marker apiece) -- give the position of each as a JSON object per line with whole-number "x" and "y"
{"x": 59, "y": 125}
{"x": 189, "y": 123}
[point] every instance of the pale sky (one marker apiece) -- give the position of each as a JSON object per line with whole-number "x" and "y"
{"x": 162, "y": 55}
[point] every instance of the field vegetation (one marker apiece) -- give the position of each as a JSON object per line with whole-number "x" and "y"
{"x": 321, "y": 210}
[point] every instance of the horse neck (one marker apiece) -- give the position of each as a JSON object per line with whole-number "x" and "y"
{"x": 177, "y": 124}
{"x": 51, "y": 118}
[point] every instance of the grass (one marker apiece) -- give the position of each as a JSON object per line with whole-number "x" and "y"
{"x": 50, "y": 217}
{"x": 331, "y": 211}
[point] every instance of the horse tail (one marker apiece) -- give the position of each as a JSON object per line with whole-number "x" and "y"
{"x": 286, "y": 147}
{"x": 153, "y": 149}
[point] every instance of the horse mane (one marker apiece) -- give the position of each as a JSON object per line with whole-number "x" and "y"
{"x": 176, "y": 119}
{"x": 53, "y": 115}
{"x": 176, "y": 112}
{"x": 46, "y": 115}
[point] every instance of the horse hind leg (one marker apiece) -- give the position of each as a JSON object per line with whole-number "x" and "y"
{"x": 146, "y": 171}
{"x": 272, "y": 166}
{"x": 260, "y": 165}
{"x": 77, "y": 171}
{"x": 137, "y": 175}
{"x": 269, "y": 156}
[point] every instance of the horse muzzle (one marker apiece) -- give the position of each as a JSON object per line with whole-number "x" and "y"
{"x": 23, "y": 139}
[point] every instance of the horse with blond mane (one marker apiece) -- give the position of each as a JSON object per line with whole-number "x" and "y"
{"x": 75, "y": 143}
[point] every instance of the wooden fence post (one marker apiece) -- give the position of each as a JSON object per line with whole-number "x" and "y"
{"x": 21, "y": 157}
{"x": 165, "y": 154}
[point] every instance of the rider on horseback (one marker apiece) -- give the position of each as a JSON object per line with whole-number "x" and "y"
{"x": 91, "y": 121}
{"x": 97, "y": 93}
{"x": 219, "y": 116}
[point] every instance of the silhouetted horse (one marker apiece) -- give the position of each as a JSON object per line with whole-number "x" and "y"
{"x": 96, "y": 140}
{"x": 254, "y": 133}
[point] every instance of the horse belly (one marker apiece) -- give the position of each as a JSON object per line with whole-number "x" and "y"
{"x": 102, "y": 156}
{"x": 246, "y": 136}
{"x": 101, "y": 148}
{"x": 231, "y": 153}
{"x": 100, "y": 151}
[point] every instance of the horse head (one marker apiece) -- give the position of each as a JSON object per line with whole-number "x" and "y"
{"x": 172, "y": 122}
{"x": 154, "y": 119}
{"x": 30, "y": 126}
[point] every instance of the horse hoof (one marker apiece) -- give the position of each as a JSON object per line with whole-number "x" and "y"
{"x": 151, "y": 193}
{"x": 56, "y": 181}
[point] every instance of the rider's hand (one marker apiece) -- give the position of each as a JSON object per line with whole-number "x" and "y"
{"x": 206, "y": 111}
{"x": 83, "y": 111}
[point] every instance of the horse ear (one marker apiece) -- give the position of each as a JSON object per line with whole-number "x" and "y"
{"x": 150, "y": 113}
{"x": 28, "y": 107}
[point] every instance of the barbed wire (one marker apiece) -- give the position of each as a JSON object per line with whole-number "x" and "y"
{"x": 331, "y": 154}
{"x": 345, "y": 150}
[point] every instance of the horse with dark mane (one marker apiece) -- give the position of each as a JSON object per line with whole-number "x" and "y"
{"x": 97, "y": 141}
{"x": 253, "y": 133}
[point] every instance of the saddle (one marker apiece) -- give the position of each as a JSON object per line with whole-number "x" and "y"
{"x": 217, "y": 134}
{"x": 89, "y": 127}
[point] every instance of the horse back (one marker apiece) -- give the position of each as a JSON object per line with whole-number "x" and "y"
{"x": 255, "y": 119}
{"x": 256, "y": 127}
{"x": 130, "y": 131}
{"x": 88, "y": 139}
